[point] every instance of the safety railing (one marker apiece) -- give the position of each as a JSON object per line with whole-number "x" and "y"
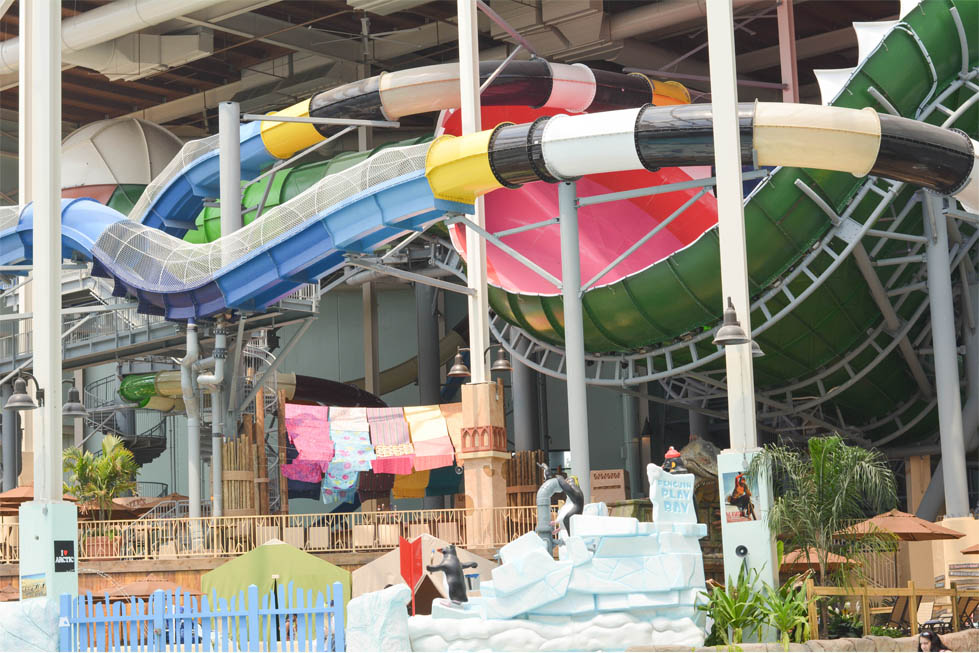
{"x": 909, "y": 608}
{"x": 156, "y": 539}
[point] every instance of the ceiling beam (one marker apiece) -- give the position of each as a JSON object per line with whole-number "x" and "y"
{"x": 805, "y": 48}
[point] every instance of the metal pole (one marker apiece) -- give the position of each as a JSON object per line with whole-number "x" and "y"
{"x": 946, "y": 358}
{"x": 229, "y": 140}
{"x": 526, "y": 421}
{"x": 45, "y": 166}
{"x": 426, "y": 321}
{"x": 9, "y": 441}
{"x": 630, "y": 431}
{"x": 730, "y": 220}
{"x": 429, "y": 377}
{"x": 479, "y": 338}
{"x": 574, "y": 337}
{"x": 372, "y": 371}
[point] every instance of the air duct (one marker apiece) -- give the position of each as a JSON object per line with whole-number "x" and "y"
{"x": 104, "y": 24}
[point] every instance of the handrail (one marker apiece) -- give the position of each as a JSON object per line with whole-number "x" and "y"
{"x": 154, "y": 539}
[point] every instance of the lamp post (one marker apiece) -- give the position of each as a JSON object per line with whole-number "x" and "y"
{"x": 748, "y": 542}
{"x": 460, "y": 370}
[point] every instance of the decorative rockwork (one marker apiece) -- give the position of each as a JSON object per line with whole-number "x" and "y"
{"x": 483, "y": 438}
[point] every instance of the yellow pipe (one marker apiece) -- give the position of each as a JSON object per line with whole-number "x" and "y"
{"x": 458, "y": 169}
{"x": 283, "y": 139}
{"x": 665, "y": 93}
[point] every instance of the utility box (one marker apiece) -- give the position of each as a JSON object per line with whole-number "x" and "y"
{"x": 609, "y": 485}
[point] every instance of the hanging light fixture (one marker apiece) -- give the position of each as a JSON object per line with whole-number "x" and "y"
{"x": 756, "y": 351}
{"x": 459, "y": 369}
{"x": 730, "y": 332}
{"x": 74, "y": 407}
{"x": 502, "y": 363}
{"x": 20, "y": 400}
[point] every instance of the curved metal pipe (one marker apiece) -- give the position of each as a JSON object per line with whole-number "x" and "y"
{"x": 544, "y": 530}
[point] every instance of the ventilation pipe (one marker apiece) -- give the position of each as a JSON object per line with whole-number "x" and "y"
{"x": 104, "y": 24}
{"x": 661, "y": 17}
{"x": 189, "y": 389}
{"x": 213, "y": 384}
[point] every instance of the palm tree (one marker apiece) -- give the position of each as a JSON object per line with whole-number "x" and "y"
{"x": 820, "y": 491}
{"x": 103, "y": 477}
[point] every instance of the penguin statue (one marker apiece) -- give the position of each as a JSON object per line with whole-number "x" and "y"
{"x": 673, "y": 462}
{"x": 452, "y": 567}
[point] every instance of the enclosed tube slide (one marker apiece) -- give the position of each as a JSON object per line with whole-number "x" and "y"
{"x": 162, "y": 391}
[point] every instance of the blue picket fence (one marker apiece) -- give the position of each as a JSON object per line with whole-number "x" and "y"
{"x": 287, "y": 620}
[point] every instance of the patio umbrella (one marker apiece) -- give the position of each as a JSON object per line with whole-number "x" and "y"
{"x": 23, "y": 493}
{"x": 904, "y": 526}
{"x": 796, "y": 561}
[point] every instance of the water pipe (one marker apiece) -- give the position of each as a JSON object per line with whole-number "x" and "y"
{"x": 189, "y": 390}
{"x": 544, "y": 529}
{"x": 213, "y": 384}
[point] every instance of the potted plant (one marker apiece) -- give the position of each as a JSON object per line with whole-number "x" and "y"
{"x": 98, "y": 479}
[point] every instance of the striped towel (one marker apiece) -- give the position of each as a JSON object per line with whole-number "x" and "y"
{"x": 430, "y": 437}
{"x": 392, "y": 442}
{"x": 309, "y": 429}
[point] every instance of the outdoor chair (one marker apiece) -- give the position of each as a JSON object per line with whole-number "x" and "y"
{"x": 899, "y": 617}
{"x": 924, "y": 616}
{"x": 967, "y": 610}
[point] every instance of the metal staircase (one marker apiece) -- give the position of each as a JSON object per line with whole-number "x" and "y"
{"x": 104, "y": 405}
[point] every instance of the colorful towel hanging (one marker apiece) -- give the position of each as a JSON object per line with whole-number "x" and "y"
{"x": 303, "y": 471}
{"x": 348, "y": 418}
{"x": 352, "y": 450}
{"x": 374, "y": 486}
{"x": 410, "y": 486}
{"x": 309, "y": 429}
{"x": 452, "y": 414}
{"x": 430, "y": 437}
{"x": 444, "y": 481}
{"x": 391, "y": 439}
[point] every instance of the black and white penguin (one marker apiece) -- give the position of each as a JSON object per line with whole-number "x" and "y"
{"x": 452, "y": 567}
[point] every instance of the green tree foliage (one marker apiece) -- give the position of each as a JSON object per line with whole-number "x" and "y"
{"x": 820, "y": 491}
{"x": 101, "y": 478}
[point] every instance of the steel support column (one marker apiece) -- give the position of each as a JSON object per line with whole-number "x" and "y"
{"x": 229, "y": 142}
{"x": 630, "y": 434}
{"x": 479, "y": 338}
{"x": 526, "y": 420}
{"x": 574, "y": 337}
{"x": 786, "y": 51}
{"x": 946, "y": 358}
{"x": 372, "y": 370}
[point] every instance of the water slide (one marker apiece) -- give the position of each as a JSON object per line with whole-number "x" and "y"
{"x": 669, "y": 289}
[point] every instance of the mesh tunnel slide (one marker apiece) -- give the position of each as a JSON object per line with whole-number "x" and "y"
{"x": 671, "y": 287}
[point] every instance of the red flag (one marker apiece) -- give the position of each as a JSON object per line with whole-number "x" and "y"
{"x": 411, "y": 564}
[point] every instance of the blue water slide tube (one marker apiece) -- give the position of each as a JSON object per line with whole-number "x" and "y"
{"x": 321, "y": 232}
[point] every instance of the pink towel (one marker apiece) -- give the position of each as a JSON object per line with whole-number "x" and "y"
{"x": 303, "y": 471}
{"x": 391, "y": 440}
{"x": 309, "y": 430}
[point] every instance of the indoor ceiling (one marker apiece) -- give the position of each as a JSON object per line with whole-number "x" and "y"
{"x": 268, "y": 54}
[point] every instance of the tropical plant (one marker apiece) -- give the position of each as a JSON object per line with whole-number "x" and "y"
{"x": 786, "y": 609}
{"x": 820, "y": 491}
{"x": 736, "y": 608}
{"x": 843, "y": 624}
{"x": 886, "y": 631}
{"x": 100, "y": 478}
